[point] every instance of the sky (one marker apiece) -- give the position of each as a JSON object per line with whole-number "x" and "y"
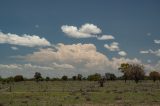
{"x": 69, "y": 37}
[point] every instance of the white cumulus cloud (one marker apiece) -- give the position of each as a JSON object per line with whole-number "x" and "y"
{"x": 113, "y": 46}
{"x": 85, "y": 31}
{"x": 76, "y": 58}
{"x": 122, "y": 53}
{"x": 24, "y": 40}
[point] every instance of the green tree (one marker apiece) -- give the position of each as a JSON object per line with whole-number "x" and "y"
{"x": 65, "y": 78}
{"x": 125, "y": 70}
{"x": 18, "y": 78}
{"x": 154, "y": 75}
{"x": 37, "y": 76}
{"x": 74, "y": 78}
{"x": 110, "y": 76}
{"x": 94, "y": 77}
{"x": 47, "y": 78}
{"x": 132, "y": 71}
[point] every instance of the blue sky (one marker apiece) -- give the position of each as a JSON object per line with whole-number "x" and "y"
{"x": 133, "y": 24}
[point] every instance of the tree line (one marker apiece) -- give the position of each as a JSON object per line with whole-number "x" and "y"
{"x": 130, "y": 72}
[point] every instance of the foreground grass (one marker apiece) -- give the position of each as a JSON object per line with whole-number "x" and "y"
{"x": 80, "y": 93}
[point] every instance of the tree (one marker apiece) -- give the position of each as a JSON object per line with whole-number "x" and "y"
{"x": 94, "y": 77}
{"x": 74, "y": 78}
{"x": 79, "y": 77}
{"x": 110, "y": 76}
{"x": 18, "y": 78}
{"x": 65, "y": 78}
{"x": 132, "y": 71}
{"x": 154, "y": 75}
{"x": 136, "y": 72}
{"x": 125, "y": 70}
{"x": 47, "y": 79}
{"x": 37, "y": 76}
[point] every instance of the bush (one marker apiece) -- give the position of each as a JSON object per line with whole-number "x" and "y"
{"x": 47, "y": 79}
{"x": 18, "y": 78}
{"x": 94, "y": 77}
{"x": 154, "y": 75}
{"x": 37, "y": 76}
{"x": 64, "y": 78}
{"x": 110, "y": 76}
{"x": 74, "y": 78}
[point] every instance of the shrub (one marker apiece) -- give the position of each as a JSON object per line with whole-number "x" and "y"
{"x": 18, "y": 78}
{"x": 64, "y": 78}
{"x": 154, "y": 75}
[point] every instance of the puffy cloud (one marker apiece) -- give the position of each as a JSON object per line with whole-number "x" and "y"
{"x": 122, "y": 53}
{"x": 113, "y": 46}
{"x": 157, "y": 41}
{"x": 24, "y": 40}
{"x": 90, "y": 29}
{"x": 106, "y": 37}
{"x": 14, "y": 48}
{"x": 76, "y": 58}
{"x": 85, "y": 31}
{"x": 74, "y": 54}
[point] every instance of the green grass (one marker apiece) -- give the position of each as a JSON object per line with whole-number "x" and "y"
{"x": 80, "y": 93}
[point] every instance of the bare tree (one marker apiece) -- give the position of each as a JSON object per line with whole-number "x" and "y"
{"x": 136, "y": 72}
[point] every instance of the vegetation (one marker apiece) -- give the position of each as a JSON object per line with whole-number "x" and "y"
{"x": 125, "y": 70}
{"x": 65, "y": 78}
{"x": 37, "y": 76}
{"x": 154, "y": 75}
{"x": 18, "y": 78}
{"x": 93, "y": 90}
{"x": 110, "y": 76}
{"x": 132, "y": 71}
{"x": 94, "y": 77}
{"x": 80, "y": 93}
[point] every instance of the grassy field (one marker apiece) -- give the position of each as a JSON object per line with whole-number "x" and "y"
{"x": 80, "y": 93}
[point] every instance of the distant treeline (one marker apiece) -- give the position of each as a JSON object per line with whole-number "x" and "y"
{"x": 130, "y": 72}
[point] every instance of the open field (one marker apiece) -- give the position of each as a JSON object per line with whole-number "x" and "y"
{"x": 80, "y": 93}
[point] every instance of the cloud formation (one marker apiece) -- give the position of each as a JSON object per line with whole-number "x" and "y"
{"x": 113, "y": 46}
{"x": 24, "y": 40}
{"x": 106, "y": 37}
{"x": 122, "y": 53}
{"x": 85, "y": 31}
{"x": 74, "y": 59}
